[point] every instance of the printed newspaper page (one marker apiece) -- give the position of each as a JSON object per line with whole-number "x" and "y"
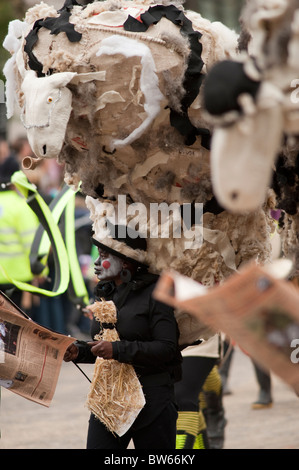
{"x": 256, "y": 310}
{"x": 30, "y": 354}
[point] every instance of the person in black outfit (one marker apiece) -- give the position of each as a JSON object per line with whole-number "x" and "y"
{"x": 148, "y": 335}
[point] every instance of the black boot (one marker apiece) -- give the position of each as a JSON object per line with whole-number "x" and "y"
{"x": 224, "y": 368}
{"x": 264, "y": 380}
{"x": 215, "y": 419}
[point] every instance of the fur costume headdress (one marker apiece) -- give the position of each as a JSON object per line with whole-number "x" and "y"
{"x": 116, "y": 237}
{"x": 255, "y": 142}
{"x": 124, "y": 242}
{"x": 129, "y": 79}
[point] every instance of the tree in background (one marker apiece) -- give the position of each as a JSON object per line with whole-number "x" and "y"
{"x": 226, "y": 11}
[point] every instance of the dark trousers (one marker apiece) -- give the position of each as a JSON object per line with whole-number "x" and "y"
{"x": 159, "y": 434}
{"x": 195, "y": 371}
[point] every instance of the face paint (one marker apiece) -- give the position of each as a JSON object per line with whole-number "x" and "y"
{"x": 107, "y": 268}
{"x": 106, "y": 264}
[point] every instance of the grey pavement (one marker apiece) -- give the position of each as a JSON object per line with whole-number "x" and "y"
{"x": 26, "y": 425}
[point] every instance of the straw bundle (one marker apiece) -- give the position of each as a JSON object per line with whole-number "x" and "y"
{"x": 116, "y": 395}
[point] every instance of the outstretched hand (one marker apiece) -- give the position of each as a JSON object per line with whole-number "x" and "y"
{"x": 71, "y": 353}
{"x": 102, "y": 349}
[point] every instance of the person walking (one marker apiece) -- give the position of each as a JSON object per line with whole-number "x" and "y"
{"x": 148, "y": 335}
{"x": 18, "y": 224}
{"x": 201, "y": 420}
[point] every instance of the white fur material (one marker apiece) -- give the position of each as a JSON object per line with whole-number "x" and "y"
{"x": 12, "y": 43}
{"x": 262, "y": 13}
{"x": 120, "y": 138}
{"x": 144, "y": 80}
{"x": 149, "y": 83}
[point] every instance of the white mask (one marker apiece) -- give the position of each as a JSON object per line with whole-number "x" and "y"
{"x": 108, "y": 268}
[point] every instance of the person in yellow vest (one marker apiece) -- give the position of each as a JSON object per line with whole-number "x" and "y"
{"x": 18, "y": 225}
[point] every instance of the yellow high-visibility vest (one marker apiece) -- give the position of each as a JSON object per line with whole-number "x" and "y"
{"x": 18, "y": 224}
{"x": 68, "y": 275}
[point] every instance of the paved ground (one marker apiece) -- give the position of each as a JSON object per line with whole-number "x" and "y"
{"x": 26, "y": 425}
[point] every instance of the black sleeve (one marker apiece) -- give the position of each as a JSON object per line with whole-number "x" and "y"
{"x": 85, "y": 355}
{"x": 161, "y": 349}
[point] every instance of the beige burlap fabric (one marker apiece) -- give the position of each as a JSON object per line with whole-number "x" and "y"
{"x": 115, "y": 395}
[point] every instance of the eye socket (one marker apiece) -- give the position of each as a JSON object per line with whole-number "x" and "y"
{"x": 103, "y": 254}
{"x": 49, "y": 99}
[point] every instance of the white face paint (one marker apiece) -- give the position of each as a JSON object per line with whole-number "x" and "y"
{"x": 107, "y": 266}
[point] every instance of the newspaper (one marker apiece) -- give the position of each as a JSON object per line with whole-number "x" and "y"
{"x": 30, "y": 355}
{"x": 258, "y": 311}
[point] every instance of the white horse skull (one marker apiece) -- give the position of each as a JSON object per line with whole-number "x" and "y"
{"x": 245, "y": 145}
{"x": 46, "y": 111}
{"x": 243, "y": 155}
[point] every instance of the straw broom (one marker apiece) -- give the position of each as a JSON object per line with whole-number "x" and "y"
{"x": 115, "y": 395}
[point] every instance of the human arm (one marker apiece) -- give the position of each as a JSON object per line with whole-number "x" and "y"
{"x": 71, "y": 353}
{"x": 79, "y": 351}
{"x": 102, "y": 349}
{"x": 154, "y": 344}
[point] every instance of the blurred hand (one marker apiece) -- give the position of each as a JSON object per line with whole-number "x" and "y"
{"x": 87, "y": 312}
{"x": 71, "y": 353}
{"x": 102, "y": 349}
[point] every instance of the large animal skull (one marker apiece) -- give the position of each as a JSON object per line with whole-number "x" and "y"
{"x": 243, "y": 153}
{"x": 46, "y": 111}
{"x": 47, "y": 108}
{"x": 247, "y": 141}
